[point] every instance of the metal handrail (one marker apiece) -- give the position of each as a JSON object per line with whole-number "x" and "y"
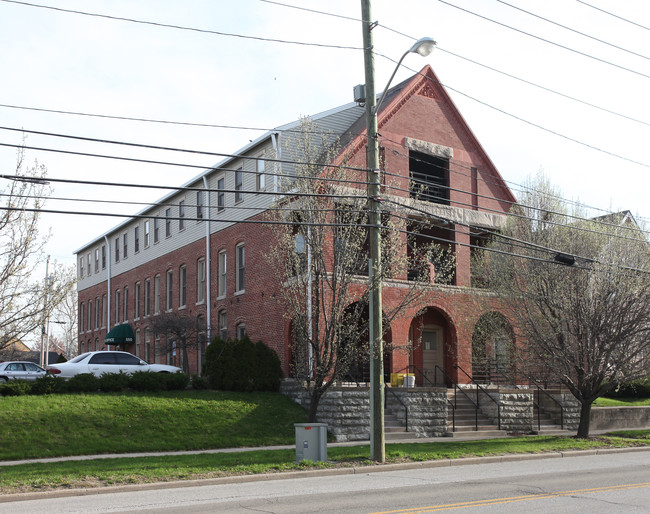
{"x": 406, "y": 410}
{"x": 479, "y": 386}
{"x": 541, "y": 389}
{"x": 457, "y": 388}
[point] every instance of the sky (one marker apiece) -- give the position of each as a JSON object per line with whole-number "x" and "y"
{"x": 229, "y": 73}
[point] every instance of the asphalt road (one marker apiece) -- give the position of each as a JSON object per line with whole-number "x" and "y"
{"x": 614, "y": 482}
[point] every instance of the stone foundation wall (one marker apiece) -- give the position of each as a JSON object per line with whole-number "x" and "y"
{"x": 427, "y": 409}
{"x": 517, "y": 411}
{"x": 570, "y": 407}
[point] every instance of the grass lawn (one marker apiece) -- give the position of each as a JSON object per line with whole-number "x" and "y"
{"x": 621, "y": 402}
{"x": 90, "y": 424}
{"x": 107, "y": 472}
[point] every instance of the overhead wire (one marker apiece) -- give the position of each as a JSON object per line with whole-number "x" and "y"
{"x": 614, "y": 15}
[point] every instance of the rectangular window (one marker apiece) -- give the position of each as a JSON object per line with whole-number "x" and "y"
{"x": 199, "y": 204}
{"x": 241, "y": 267}
{"x": 136, "y": 312}
{"x": 223, "y": 325}
{"x": 125, "y": 245}
{"x": 429, "y": 177}
{"x": 81, "y": 268}
{"x": 82, "y": 316}
{"x": 170, "y": 290}
{"x": 182, "y": 278}
{"x": 88, "y": 260}
{"x": 200, "y": 280}
{"x": 156, "y": 230}
{"x": 147, "y": 297}
{"x": 136, "y": 239}
{"x": 222, "y": 273}
{"x": 97, "y": 311}
{"x": 103, "y": 256}
{"x": 104, "y": 310}
{"x": 241, "y": 331}
{"x": 181, "y": 215}
{"x": 221, "y": 194}
{"x": 96, "y": 260}
{"x": 147, "y": 229}
{"x": 260, "y": 176}
{"x": 239, "y": 185}
{"x": 117, "y": 249}
{"x": 117, "y": 306}
{"x": 90, "y": 314}
{"x": 168, "y": 222}
{"x": 126, "y": 304}
{"x": 156, "y": 294}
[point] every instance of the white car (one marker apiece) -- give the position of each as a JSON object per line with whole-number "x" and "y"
{"x": 20, "y": 370}
{"x": 98, "y": 363}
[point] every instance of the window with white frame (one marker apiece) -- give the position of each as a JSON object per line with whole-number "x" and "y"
{"x": 156, "y": 230}
{"x": 118, "y": 295}
{"x": 168, "y": 222}
{"x": 147, "y": 297}
{"x": 170, "y": 290}
{"x": 126, "y": 304}
{"x": 117, "y": 249}
{"x": 156, "y": 294}
{"x": 200, "y": 280}
{"x": 96, "y": 260}
{"x": 136, "y": 311}
{"x": 241, "y": 330}
{"x": 223, "y": 325}
{"x": 90, "y": 314}
{"x": 125, "y": 245}
{"x": 182, "y": 282}
{"x": 199, "y": 204}
{"x": 221, "y": 194}
{"x": 147, "y": 233}
{"x": 136, "y": 239}
{"x": 81, "y": 267}
{"x": 103, "y": 256}
{"x": 239, "y": 185}
{"x": 222, "y": 262}
{"x": 181, "y": 215}
{"x": 104, "y": 310}
{"x": 88, "y": 260}
{"x": 97, "y": 312}
{"x": 82, "y": 316}
{"x": 260, "y": 175}
{"x": 240, "y": 280}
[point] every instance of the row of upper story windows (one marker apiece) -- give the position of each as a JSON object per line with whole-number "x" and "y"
{"x": 92, "y": 313}
{"x": 150, "y": 231}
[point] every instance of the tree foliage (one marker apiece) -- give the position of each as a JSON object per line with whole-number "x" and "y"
{"x": 25, "y": 300}
{"x": 577, "y": 291}
{"x": 320, "y": 254}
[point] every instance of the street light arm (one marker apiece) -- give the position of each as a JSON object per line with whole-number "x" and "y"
{"x": 376, "y": 109}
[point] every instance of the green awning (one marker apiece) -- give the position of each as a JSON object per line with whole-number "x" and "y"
{"x": 121, "y": 334}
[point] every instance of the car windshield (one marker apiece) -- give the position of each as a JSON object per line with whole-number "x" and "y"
{"x": 79, "y": 358}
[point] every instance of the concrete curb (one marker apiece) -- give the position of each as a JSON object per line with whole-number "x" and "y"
{"x": 379, "y": 468}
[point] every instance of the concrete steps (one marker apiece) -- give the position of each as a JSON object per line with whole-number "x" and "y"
{"x": 463, "y": 420}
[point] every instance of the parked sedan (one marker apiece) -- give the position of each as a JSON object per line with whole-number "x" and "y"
{"x": 20, "y": 370}
{"x": 98, "y": 363}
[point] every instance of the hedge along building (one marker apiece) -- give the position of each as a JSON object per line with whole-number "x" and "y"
{"x": 201, "y": 249}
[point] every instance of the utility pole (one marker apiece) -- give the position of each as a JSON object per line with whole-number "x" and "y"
{"x": 377, "y": 438}
{"x": 44, "y": 328}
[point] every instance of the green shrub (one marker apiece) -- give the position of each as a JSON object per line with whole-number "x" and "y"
{"x": 83, "y": 383}
{"x": 113, "y": 382}
{"x": 175, "y": 381}
{"x": 15, "y": 388}
{"x": 240, "y": 365}
{"x": 49, "y": 385}
{"x": 199, "y": 382}
{"x": 635, "y": 389}
{"x": 146, "y": 381}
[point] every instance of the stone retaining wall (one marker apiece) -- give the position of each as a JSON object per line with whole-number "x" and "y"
{"x": 427, "y": 409}
{"x": 624, "y": 418}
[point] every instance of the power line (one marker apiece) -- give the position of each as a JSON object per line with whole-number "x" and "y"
{"x": 545, "y": 40}
{"x": 614, "y": 15}
{"x": 181, "y": 27}
{"x": 572, "y": 30}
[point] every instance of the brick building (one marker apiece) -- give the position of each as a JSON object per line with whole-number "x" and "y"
{"x": 200, "y": 249}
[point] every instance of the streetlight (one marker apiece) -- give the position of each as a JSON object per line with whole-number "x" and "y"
{"x": 422, "y": 47}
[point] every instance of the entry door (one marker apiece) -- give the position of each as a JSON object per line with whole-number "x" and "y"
{"x": 432, "y": 356}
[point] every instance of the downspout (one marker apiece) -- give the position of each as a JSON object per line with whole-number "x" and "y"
{"x": 208, "y": 265}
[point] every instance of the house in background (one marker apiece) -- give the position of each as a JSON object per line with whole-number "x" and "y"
{"x": 200, "y": 249}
